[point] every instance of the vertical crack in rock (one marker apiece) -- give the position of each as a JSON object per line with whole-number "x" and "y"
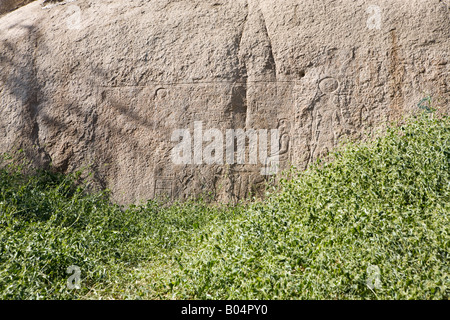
{"x": 241, "y": 49}
{"x": 256, "y": 46}
{"x": 239, "y": 92}
{"x": 271, "y": 58}
{"x": 256, "y": 54}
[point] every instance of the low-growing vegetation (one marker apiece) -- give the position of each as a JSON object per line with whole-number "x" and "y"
{"x": 370, "y": 222}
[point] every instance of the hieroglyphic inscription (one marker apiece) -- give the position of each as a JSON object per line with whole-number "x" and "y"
{"x": 308, "y": 126}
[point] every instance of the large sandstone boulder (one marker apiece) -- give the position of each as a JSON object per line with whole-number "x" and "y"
{"x": 108, "y": 83}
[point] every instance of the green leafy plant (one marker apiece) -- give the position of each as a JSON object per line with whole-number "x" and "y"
{"x": 371, "y": 222}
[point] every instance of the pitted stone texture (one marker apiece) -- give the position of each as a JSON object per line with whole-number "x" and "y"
{"x": 106, "y": 83}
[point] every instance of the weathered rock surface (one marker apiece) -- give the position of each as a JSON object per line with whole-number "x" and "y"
{"x": 106, "y": 83}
